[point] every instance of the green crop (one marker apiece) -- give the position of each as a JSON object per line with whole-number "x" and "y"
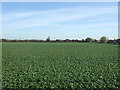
{"x": 60, "y": 65}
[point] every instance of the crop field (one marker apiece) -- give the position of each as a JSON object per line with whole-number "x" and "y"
{"x": 60, "y": 65}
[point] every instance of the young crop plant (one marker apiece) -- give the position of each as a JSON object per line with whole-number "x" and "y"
{"x": 60, "y": 65}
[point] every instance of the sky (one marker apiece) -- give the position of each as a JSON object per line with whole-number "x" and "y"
{"x": 59, "y": 20}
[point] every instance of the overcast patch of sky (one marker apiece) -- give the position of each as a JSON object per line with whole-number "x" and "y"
{"x": 59, "y": 20}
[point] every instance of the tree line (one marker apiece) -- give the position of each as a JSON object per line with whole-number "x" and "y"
{"x": 88, "y": 39}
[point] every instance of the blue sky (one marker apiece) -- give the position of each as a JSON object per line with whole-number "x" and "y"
{"x": 60, "y": 20}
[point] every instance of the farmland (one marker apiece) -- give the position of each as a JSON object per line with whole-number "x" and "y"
{"x": 60, "y": 65}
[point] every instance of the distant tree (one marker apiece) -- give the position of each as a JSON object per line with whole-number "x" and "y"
{"x": 83, "y": 40}
{"x": 103, "y": 39}
{"x": 118, "y": 41}
{"x": 95, "y": 40}
{"x": 88, "y": 39}
{"x": 57, "y": 40}
{"x": 67, "y": 40}
{"x": 3, "y": 40}
{"x": 48, "y": 39}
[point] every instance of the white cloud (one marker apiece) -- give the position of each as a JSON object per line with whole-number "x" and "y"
{"x": 76, "y": 10}
{"x": 44, "y": 18}
{"x": 19, "y": 22}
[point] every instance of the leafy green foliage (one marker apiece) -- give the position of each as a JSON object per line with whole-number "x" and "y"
{"x": 88, "y": 39}
{"x": 103, "y": 39}
{"x": 48, "y": 39}
{"x": 60, "y": 65}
